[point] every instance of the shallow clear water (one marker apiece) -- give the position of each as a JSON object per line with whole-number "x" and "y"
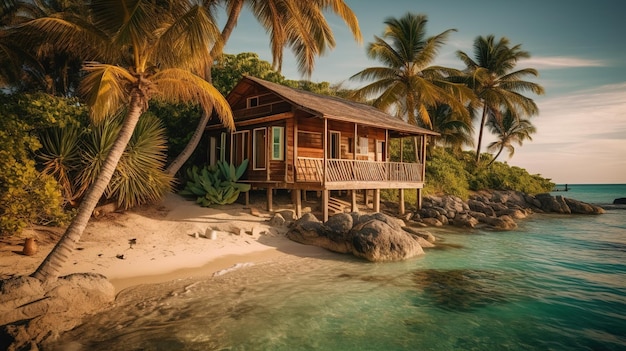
{"x": 557, "y": 283}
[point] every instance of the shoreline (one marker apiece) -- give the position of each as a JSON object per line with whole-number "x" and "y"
{"x": 170, "y": 244}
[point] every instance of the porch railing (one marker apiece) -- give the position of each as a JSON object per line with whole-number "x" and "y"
{"x": 312, "y": 170}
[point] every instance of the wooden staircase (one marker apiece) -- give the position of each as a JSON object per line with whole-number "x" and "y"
{"x": 336, "y": 205}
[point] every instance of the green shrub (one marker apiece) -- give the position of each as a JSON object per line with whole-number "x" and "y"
{"x": 445, "y": 174}
{"x": 215, "y": 185}
{"x": 26, "y": 196}
{"x": 139, "y": 177}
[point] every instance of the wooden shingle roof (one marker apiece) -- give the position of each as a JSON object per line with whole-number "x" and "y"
{"x": 335, "y": 108}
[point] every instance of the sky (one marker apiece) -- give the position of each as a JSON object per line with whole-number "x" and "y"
{"x": 578, "y": 47}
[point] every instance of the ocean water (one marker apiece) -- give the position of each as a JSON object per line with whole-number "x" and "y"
{"x": 556, "y": 283}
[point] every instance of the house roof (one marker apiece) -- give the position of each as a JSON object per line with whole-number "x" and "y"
{"x": 335, "y": 108}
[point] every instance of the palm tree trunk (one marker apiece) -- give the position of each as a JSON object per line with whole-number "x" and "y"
{"x": 230, "y": 25}
{"x": 50, "y": 268}
{"x": 480, "y": 133}
{"x": 496, "y": 156}
{"x": 180, "y": 160}
{"x": 191, "y": 146}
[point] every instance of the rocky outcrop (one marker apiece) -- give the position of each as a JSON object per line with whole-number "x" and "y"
{"x": 497, "y": 210}
{"x": 32, "y": 313}
{"x": 375, "y": 237}
{"x": 620, "y": 201}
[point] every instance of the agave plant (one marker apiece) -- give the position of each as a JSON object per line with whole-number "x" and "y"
{"x": 139, "y": 177}
{"x": 215, "y": 185}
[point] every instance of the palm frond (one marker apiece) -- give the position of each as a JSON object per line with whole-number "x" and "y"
{"x": 178, "y": 86}
{"x": 187, "y": 41}
{"x": 105, "y": 87}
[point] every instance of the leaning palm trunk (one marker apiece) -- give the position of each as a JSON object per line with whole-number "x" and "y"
{"x": 51, "y": 267}
{"x": 480, "y": 133}
{"x": 175, "y": 166}
{"x": 496, "y": 156}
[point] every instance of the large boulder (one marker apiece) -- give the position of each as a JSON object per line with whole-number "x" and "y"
{"x": 375, "y": 237}
{"x": 582, "y": 207}
{"x": 32, "y": 313}
{"x": 380, "y": 241}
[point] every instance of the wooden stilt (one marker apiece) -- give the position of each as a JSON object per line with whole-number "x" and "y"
{"x": 366, "y": 199}
{"x": 247, "y": 198}
{"x": 298, "y": 202}
{"x": 325, "y": 205}
{"x": 376, "y": 200}
{"x": 401, "y": 201}
{"x": 304, "y": 196}
{"x": 419, "y": 199}
{"x": 353, "y": 206}
{"x": 270, "y": 195}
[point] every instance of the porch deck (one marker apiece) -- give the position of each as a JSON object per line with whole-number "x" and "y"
{"x": 355, "y": 174}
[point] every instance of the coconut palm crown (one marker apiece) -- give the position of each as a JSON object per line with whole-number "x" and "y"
{"x": 509, "y": 129}
{"x": 405, "y": 83}
{"x": 141, "y": 50}
{"x": 490, "y": 74}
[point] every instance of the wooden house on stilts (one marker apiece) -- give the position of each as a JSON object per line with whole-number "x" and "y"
{"x": 302, "y": 141}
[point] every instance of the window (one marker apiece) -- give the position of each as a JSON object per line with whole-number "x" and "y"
{"x": 217, "y": 151}
{"x": 362, "y": 148}
{"x": 259, "y": 152}
{"x": 253, "y": 102}
{"x": 278, "y": 143}
{"x": 334, "y": 148}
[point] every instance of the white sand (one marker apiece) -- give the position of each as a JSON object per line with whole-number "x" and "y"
{"x": 170, "y": 243}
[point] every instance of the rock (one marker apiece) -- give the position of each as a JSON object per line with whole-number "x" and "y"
{"x": 465, "y": 220}
{"x": 375, "y": 237}
{"x": 582, "y": 207}
{"x": 433, "y": 222}
{"x": 480, "y": 206}
{"x": 378, "y": 241}
{"x": 499, "y": 223}
{"x": 288, "y": 215}
{"x": 277, "y": 220}
{"x": 554, "y": 204}
{"x": 620, "y": 201}
{"x": 421, "y": 234}
{"x": 50, "y": 311}
{"x": 340, "y": 223}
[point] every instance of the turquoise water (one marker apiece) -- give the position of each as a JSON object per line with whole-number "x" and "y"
{"x": 593, "y": 193}
{"x": 557, "y": 283}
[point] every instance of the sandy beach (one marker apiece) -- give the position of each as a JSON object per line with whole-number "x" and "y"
{"x": 162, "y": 242}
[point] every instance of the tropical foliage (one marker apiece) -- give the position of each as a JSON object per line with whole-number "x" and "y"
{"x": 26, "y": 195}
{"x": 510, "y": 129}
{"x": 148, "y": 50}
{"x": 406, "y": 84}
{"x": 299, "y": 25}
{"x": 216, "y": 184}
{"x": 498, "y": 87}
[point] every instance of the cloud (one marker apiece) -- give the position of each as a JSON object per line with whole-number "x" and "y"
{"x": 580, "y": 137}
{"x": 557, "y": 62}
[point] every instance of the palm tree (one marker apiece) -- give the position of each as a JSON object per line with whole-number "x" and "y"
{"x": 42, "y": 67}
{"x": 297, "y": 24}
{"x": 490, "y": 75}
{"x": 151, "y": 49}
{"x": 509, "y": 129}
{"x": 406, "y": 83}
{"x": 456, "y": 131}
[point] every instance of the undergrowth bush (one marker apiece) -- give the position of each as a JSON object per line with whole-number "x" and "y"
{"x": 27, "y": 196}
